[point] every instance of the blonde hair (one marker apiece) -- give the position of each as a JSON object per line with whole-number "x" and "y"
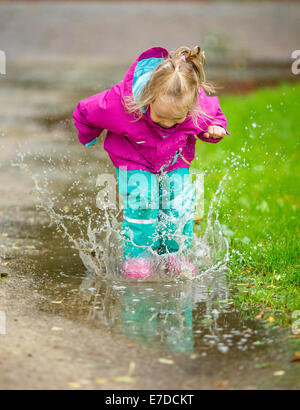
{"x": 175, "y": 81}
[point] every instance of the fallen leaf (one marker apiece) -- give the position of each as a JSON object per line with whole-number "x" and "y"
{"x": 124, "y": 379}
{"x": 128, "y": 378}
{"x": 55, "y": 328}
{"x": 258, "y": 343}
{"x": 101, "y": 380}
{"x": 4, "y": 234}
{"x": 131, "y": 368}
{"x": 279, "y": 373}
{"x": 221, "y": 383}
{"x": 74, "y": 385}
{"x": 130, "y": 346}
{"x": 165, "y": 361}
{"x": 57, "y": 301}
{"x": 296, "y": 357}
{"x": 259, "y": 316}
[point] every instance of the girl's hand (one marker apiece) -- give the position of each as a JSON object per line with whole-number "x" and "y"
{"x": 214, "y": 131}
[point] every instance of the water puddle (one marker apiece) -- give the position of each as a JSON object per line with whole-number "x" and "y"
{"x": 181, "y": 315}
{"x": 190, "y": 322}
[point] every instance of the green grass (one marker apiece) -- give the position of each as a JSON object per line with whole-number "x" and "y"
{"x": 259, "y": 210}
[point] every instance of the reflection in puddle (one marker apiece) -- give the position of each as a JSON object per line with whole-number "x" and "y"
{"x": 183, "y": 316}
{"x": 155, "y": 313}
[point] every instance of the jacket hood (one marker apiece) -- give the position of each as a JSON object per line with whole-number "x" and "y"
{"x": 140, "y": 71}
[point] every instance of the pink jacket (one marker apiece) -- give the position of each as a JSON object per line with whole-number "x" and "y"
{"x": 142, "y": 144}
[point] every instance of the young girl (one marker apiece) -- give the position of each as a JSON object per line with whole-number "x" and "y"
{"x": 153, "y": 119}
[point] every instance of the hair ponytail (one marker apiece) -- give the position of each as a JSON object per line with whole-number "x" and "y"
{"x": 195, "y": 57}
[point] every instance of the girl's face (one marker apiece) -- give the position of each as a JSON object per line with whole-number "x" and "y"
{"x": 161, "y": 114}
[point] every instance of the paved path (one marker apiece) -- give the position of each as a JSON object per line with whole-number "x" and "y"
{"x": 117, "y": 32}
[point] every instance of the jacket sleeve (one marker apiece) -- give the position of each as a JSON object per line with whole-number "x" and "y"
{"x": 96, "y": 113}
{"x": 213, "y": 115}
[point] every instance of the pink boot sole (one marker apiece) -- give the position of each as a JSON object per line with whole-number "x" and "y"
{"x": 137, "y": 268}
{"x": 174, "y": 263}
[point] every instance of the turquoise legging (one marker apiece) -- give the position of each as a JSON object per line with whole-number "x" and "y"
{"x": 158, "y": 211}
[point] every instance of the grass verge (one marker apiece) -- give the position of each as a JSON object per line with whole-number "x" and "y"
{"x": 259, "y": 208}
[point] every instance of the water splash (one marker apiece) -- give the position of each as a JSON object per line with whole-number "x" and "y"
{"x": 171, "y": 312}
{"x": 96, "y": 233}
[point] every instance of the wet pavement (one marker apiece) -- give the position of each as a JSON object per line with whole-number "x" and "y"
{"x": 94, "y": 29}
{"x": 66, "y": 326}
{"x": 245, "y": 42}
